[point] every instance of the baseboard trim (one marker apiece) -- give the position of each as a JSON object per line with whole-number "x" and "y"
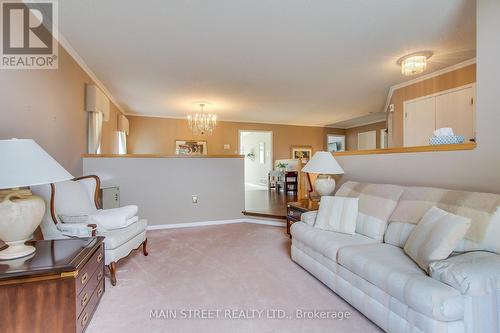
{"x": 220, "y": 222}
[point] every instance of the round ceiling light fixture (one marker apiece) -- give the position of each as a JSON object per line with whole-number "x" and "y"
{"x": 414, "y": 63}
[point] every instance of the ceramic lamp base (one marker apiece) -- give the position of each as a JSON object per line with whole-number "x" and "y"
{"x": 16, "y": 250}
{"x": 324, "y": 185}
{"x": 20, "y": 215}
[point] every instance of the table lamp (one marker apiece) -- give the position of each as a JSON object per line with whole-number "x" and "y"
{"x": 325, "y": 165}
{"x": 23, "y": 163}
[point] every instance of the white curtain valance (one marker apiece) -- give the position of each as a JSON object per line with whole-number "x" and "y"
{"x": 96, "y": 101}
{"x": 123, "y": 124}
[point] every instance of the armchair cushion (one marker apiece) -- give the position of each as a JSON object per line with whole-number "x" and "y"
{"x": 472, "y": 273}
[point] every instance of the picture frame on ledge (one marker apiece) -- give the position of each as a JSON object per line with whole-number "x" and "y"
{"x": 302, "y": 153}
{"x": 191, "y": 147}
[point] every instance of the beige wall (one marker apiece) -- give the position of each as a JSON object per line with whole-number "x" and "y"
{"x": 352, "y": 134}
{"x": 48, "y": 106}
{"x": 477, "y": 169}
{"x": 158, "y": 135}
{"x": 454, "y": 79}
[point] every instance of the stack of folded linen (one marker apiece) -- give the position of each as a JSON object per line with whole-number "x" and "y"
{"x": 445, "y": 136}
{"x": 105, "y": 219}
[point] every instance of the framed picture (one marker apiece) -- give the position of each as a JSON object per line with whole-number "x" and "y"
{"x": 302, "y": 153}
{"x": 335, "y": 142}
{"x": 190, "y": 147}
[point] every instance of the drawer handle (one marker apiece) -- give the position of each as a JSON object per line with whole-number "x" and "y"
{"x": 99, "y": 258}
{"x": 84, "y": 278}
{"x": 99, "y": 276}
{"x": 85, "y": 299}
{"x": 84, "y": 319}
{"x": 99, "y": 292}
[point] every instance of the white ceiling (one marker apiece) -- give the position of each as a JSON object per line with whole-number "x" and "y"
{"x": 279, "y": 61}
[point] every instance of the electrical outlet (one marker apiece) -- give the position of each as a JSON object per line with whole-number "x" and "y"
{"x": 194, "y": 199}
{"x": 227, "y": 146}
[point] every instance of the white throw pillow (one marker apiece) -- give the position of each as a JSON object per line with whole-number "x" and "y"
{"x": 72, "y": 199}
{"x": 337, "y": 214}
{"x": 435, "y": 237}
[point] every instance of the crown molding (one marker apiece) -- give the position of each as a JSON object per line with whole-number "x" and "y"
{"x": 148, "y": 115}
{"x": 63, "y": 42}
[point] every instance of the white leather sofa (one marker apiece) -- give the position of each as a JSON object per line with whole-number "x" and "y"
{"x": 371, "y": 271}
{"x": 118, "y": 243}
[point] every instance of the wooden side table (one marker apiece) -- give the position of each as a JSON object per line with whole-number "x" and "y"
{"x": 56, "y": 289}
{"x": 296, "y": 209}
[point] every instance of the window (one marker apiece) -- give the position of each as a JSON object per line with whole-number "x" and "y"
{"x": 122, "y": 143}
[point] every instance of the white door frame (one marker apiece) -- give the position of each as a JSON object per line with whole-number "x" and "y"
{"x": 443, "y": 92}
{"x": 259, "y": 131}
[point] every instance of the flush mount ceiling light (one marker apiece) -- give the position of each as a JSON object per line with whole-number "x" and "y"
{"x": 202, "y": 123}
{"x": 414, "y": 63}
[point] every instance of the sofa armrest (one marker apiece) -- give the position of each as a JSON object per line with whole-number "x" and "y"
{"x": 472, "y": 273}
{"x": 309, "y": 217}
{"x": 79, "y": 230}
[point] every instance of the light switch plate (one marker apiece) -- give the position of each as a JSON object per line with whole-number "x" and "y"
{"x": 227, "y": 146}
{"x": 194, "y": 199}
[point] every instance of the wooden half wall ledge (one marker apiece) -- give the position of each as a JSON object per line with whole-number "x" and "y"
{"x": 160, "y": 156}
{"x": 401, "y": 150}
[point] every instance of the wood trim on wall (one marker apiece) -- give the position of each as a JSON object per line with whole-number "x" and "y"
{"x": 418, "y": 149}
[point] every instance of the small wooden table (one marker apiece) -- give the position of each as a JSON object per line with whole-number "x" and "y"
{"x": 296, "y": 209}
{"x": 56, "y": 289}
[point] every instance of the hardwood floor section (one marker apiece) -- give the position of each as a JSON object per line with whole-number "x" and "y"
{"x": 270, "y": 204}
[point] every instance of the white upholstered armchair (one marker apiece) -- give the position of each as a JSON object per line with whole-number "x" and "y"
{"x": 81, "y": 195}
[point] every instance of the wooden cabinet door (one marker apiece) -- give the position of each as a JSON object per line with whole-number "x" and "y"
{"x": 419, "y": 121}
{"x": 456, "y": 110}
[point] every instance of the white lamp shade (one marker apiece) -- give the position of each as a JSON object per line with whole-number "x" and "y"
{"x": 25, "y": 163}
{"x": 323, "y": 162}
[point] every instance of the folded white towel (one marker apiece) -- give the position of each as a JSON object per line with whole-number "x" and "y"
{"x": 116, "y": 218}
{"x": 445, "y": 131}
{"x": 74, "y": 230}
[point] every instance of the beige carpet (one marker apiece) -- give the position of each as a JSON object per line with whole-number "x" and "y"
{"x": 228, "y": 273}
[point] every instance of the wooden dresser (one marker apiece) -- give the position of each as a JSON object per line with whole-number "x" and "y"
{"x": 56, "y": 289}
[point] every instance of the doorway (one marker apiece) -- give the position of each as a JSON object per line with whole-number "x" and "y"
{"x": 257, "y": 147}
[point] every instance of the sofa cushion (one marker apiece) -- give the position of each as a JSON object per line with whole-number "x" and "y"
{"x": 397, "y": 233}
{"x": 473, "y": 273}
{"x": 481, "y": 208}
{"x": 376, "y": 204}
{"x": 337, "y": 214}
{"x": 391, "y": 270}
{"x": 118, "y": 237}
{"x": 325, "y": 242}
{"x": 435, "y": 236}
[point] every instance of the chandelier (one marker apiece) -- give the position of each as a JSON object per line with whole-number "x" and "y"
{"x": 202, "y": 123}
{"x": 414, "y": 63}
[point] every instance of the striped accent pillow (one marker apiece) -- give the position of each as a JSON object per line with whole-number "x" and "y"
{"x": 337, "y": 214}
{"x": 435, "y": 237}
